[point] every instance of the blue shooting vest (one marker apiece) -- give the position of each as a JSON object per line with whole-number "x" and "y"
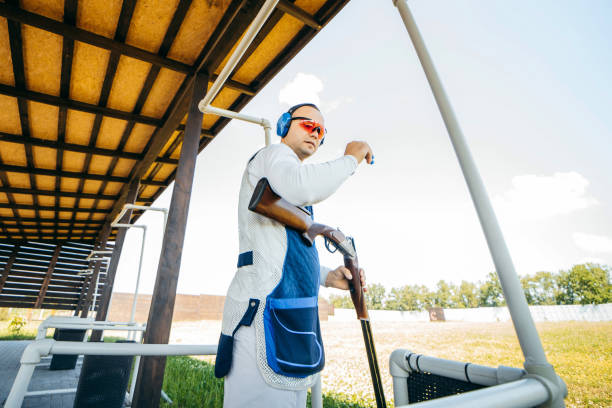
{"x": 294, "y": 347}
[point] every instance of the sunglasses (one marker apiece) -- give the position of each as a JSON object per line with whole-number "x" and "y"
{"x": 310, "y": 126}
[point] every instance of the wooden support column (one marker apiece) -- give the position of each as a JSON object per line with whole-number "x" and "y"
{"x": 83, "y": 293}
{"x": 45, "y": 284}
{"x": 93, "y": 278}
{"x": 151, "y": 373}
{"x": 8, "y": 266}
{"x": 96, "y": 335}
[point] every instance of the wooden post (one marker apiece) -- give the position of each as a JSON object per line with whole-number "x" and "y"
{"x": 45, "y": 284}
{"x": 151, "y": 373}
{"x": 8, "y": 266}
{"x": 93, "y": 278}
{"x": 96, "y": 335}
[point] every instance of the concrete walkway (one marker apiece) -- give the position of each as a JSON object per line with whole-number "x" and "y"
{"x": 43, "y": 379}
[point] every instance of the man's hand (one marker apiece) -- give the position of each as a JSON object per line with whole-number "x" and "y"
{"x": 360, "y": 151}
{"x": 339, "y": 278}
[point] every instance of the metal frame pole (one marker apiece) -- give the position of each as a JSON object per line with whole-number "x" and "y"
{"x": 263, "y": 122}
{"x": 535, "y": 358}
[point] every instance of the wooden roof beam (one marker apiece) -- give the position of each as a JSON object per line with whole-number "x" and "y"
{"x": 72, "y": 147}
{"x": 45, "y": 284}
{"x": 293, "y": 10}
{"x": 52, "y": 193}
{"x": 71, "y": 174}
{"x": 52, "y": 208}
{"x": 66, "y": 30}
{"x": 54, "y": 220}
{"x": 76, "y": 105}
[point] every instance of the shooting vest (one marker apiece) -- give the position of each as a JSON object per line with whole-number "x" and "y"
{"x": 275, "y": 288}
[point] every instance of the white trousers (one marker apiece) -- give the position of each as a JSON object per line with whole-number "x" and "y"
{"x": 244, "y": 386}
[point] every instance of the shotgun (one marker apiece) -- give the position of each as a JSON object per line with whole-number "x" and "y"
{"x": 267, "y": 203}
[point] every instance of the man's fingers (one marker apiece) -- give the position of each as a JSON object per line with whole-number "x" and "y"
{"x": 346, "y": 273}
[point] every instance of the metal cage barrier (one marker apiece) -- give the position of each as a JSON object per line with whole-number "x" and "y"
{"x": 425, "y": 381}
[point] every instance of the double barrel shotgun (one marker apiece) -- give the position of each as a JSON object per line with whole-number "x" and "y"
{"x": 267, "y": 203}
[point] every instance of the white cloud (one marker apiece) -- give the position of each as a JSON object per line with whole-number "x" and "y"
{"x": 306, "y": 88}
{"x": 537, "y": 197}
{"x": 593, "y": 243}
{"x": 303, "y": 88}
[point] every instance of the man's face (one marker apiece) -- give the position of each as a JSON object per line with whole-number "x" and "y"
{"x": 302, "y": 142}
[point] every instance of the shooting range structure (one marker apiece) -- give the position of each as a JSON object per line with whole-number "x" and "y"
{"x": 101, "y": 108}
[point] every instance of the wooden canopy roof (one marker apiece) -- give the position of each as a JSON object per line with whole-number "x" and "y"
{"x": 94, "y": 96}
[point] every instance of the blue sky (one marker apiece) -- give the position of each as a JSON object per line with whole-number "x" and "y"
{"x": 531, "y": 86}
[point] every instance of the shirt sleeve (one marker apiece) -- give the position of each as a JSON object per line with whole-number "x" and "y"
{"x": 302, "y": 184}
{"x": 323, "y": 274}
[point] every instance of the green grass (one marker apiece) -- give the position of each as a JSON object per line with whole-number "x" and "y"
{"x": 191, "y": 383}
{"x": 30, "y": 334}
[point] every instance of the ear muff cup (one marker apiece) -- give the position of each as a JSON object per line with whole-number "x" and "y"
{"x": 283, "y": 124}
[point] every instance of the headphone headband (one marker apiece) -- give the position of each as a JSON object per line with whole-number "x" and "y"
{"x": 296, "y": 107}
{"x": 284, "y": 122}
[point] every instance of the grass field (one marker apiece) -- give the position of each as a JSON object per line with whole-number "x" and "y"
{"x": 581, "y": 353}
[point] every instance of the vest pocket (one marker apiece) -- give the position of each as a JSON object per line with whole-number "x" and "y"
{"x": 293, "y": 337}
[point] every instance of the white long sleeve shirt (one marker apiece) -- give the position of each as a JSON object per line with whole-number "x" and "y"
{"x": 298, "y": 183}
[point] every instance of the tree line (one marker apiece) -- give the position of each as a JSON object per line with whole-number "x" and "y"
{"x": 581, "y": 285}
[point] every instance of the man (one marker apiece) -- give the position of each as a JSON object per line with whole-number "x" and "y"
{"x": 270, "y": 350}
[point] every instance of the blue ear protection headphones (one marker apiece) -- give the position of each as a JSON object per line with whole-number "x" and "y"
{"x": 284, "y": 122}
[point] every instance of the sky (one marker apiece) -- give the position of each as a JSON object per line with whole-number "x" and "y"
{"x": 531, "y": 86}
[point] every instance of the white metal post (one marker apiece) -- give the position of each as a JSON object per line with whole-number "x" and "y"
{"x": 265, "y": 123}
{"x": 535, "y": 358}
{"x": 248, "y": 37}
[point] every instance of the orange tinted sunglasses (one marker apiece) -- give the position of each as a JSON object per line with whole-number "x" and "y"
{"x": 310, "y": 126}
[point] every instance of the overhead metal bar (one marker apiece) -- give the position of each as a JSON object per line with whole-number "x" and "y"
{"x": 535, "y": 358}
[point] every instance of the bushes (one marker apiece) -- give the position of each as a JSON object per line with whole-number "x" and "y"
{"x": 16, "y": 324}
{"x": 582, "y": 284}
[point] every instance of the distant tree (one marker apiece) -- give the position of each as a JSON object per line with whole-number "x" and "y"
{"x": 375, "y": 296}
{"x": 466, "y": 295}
{"x": 444, "y": 294}
{"x": 585, "y": 284}
{"x": 541, "y": 288}
{"x": 409, "y": 297}
{"x": 341, "y": 301}
{"x": 490, "y": 292}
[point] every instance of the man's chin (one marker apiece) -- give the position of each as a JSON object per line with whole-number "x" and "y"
{"x": 308, "y": 151}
